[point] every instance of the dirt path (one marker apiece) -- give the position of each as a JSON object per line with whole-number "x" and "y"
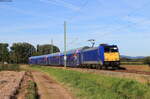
{"x": 48, "y": 88}
{"x": 9, "y": 83}
{"x": 23, "y": 91}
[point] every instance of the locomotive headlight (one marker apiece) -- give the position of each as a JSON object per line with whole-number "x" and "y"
{"x": 115, "y": 48}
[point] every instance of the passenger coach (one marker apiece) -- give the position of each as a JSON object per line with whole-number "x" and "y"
{"x": 102, "y": 56}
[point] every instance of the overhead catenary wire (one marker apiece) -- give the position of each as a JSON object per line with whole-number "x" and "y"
{"x": 117, "y": 29}
{"x": 120, "y": 28}
{"x": 129, "y": 24}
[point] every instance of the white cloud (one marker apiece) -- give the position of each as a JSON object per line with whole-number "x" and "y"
{"x": 138, "y": 22}
{"x": 26, "y": 12}
{"x": 23, "y": 27}
{"x": 62, "y": 3}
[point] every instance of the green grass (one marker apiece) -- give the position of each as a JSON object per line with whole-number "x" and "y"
{"x": 14, "y": 67}
{"x": 94, "y": 86}
{"x": 31, "y": 91}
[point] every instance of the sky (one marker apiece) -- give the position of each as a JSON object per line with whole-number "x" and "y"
{"x": 125, "y": 23}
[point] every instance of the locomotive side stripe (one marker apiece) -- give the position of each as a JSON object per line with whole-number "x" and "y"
{"x": 92, "y": 62}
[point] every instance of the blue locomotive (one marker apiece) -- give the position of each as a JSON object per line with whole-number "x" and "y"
{"x": 102, "y": 56}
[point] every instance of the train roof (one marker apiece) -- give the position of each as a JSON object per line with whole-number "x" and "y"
{"x": 77, "y": 50}
{"x": 91, "y": 48}
{"x": 33, "y": 57}
{"x": 54, "y": 54}
{"x": 107, "y": 45}
{"x": 94, "y": 48}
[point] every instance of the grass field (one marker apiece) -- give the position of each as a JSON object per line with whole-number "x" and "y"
{"x": 93, "y": 86}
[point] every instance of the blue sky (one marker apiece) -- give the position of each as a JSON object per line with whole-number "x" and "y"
{"x": 125, "y": 23}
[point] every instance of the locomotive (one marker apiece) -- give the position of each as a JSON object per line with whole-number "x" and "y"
{"x": 103, "y": 56}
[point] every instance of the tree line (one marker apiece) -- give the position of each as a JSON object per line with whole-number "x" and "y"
{"x": 20, "y": 52}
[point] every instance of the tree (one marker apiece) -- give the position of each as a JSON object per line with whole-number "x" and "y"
{"x": 4, "y": 52}
{"x": 47, "y": 49}
{"x": 20, "y": 52}
{"x": 147, "y": 60}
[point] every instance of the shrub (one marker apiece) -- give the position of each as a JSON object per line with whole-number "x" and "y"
{"x": 14, "y": 67}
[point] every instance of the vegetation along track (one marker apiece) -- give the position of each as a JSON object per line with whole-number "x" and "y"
{"x": 87, "y": 85}
{"x": 141, "y": 76}
{"x": 120, "y": 70}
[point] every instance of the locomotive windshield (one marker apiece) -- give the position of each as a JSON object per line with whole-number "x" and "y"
{"x": 111, "y": 49}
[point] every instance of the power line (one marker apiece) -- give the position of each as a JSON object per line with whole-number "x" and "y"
{"x": 137, "y": 10}
{"x": 129, "y": 24}
{"x": 120, "y": 28}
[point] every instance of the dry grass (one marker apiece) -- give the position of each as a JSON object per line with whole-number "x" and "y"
{"x": 137, "y": 67}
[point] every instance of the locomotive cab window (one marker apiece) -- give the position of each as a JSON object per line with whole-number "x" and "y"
{"x": 111, "y": 49}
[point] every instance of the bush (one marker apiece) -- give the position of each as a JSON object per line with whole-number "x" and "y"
{"x": 14, "y": 67}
